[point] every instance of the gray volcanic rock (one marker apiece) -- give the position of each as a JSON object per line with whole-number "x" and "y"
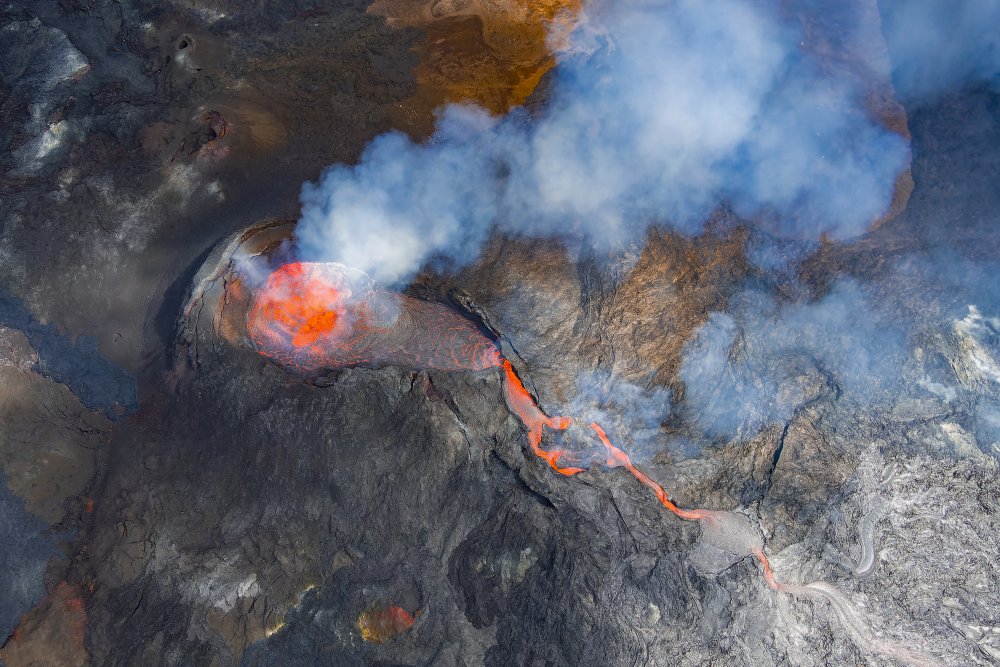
{"x": 48, "y": 445}
{"x": 99, "y": 384}
{"x": 27, "y": 549}
{"x": 49, "y": 440}
{"x": 135, "y": 135}
{"x": 858, "y": 463}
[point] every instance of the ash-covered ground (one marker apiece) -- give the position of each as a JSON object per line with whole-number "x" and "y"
{"x": 170, "y": 497}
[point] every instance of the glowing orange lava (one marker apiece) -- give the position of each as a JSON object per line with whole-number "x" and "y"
{"x": 309, "y": 310}
{"x": 523, "y": 405}
{"x": 381, "y": 625}
{"x": 312, "y": 317}
{"x": 60, "y": 615}
{"x": 617, "y": 457}
{"x": 768, "y": 572}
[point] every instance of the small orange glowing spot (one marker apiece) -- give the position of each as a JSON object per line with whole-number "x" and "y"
{"x": 768, "y": 572}
{"x": 381, "y": 625}
{"x": 89, "y": 507}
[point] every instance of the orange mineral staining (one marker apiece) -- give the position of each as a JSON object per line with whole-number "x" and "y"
{"x": 381, "y": 625}
{"x": 489, "y": 52}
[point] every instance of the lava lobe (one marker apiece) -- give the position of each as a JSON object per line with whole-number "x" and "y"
{"x": 313, "y": 317}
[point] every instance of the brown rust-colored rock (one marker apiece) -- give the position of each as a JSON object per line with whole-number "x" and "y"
{"x": 52, "y": 634}
{"x": 630, "y": 316}
{"x": 490, "y": 53}
{"x": 847, "y": 40}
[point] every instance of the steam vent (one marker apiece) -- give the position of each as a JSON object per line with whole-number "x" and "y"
{"x": 460, "y": 333}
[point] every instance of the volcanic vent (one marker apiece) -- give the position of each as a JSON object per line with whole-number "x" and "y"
{"x": 315, "y": 318}
{"x": 312, "y": 317}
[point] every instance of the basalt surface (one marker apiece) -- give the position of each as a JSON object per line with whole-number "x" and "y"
{"x": 170, "y": 496}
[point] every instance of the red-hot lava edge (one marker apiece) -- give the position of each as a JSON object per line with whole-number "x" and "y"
{"x": 311, "y": 317}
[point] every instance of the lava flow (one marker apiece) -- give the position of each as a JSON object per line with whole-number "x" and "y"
{"x": 523, "y": 405}
{"x": 314, "y": 317}
{"x": 733, "y": 533}
{"x": 617, "y": 457}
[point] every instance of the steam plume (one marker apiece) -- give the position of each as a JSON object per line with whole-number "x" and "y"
{"x": 660, "y": 112}
{"x": 763, "y": 359}
{"x": 938, "y": 45}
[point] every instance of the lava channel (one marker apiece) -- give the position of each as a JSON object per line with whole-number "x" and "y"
{"x": 313, "y": 317}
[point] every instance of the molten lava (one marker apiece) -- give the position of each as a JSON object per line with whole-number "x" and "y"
{"x": 381, "y": 625}
{"x": 617, "y": 457}
{"x": 304, "y": 303}
{"x": 522, "y": 403}
{"x": 314, "y": 317}
{"x": 768, "y": 572}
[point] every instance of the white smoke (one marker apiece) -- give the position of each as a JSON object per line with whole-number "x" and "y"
{"x": 661, "y": 111}
{"x": 765, "y": 358}
{"x": 938, "y": 45}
